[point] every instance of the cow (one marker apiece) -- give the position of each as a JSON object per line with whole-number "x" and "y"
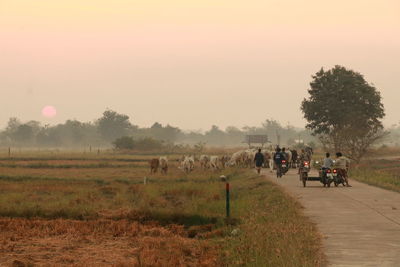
{"x": 164, "y": 165}
{"x": 249, "y": 158}
{"x": 204, "y": 162}
{"x": 214, "y": 162}
{"x": 187, "y": 164}
{"x": 224, "y": 161}
{"x": 154, "y": 164}
{"x": 267, "y": 157}
{"x": 236, "y": 159}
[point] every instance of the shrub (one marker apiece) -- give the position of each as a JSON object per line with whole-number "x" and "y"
{"x": 125, "y": 142}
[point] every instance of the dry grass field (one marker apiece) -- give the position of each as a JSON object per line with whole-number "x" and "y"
{"x": 75, "y": 209}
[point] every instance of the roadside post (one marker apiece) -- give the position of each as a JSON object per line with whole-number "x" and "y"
{"x": 228, "y": 208}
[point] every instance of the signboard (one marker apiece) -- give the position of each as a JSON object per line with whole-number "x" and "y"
{"x": 256, "y": 139}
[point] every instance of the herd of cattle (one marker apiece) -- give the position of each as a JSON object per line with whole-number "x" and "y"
{"x": 242, "y": 158}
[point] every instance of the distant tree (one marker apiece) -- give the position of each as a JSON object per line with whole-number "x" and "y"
{"x": 24, "y": 134}
{"x": 113, "y": 125}
{"x": 167, "y": 133}
{"x": 215, "y": 136}
{"x": 124, "y": 142}
{"x": 19, "y": 133}
{"x": 344, "y": 111}
{"x": 13, "y": 124}
{"x": 234, "y": 135}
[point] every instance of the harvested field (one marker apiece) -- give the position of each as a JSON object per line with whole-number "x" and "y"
{"x": 100, "y": 212}
{"x": 101, "y": 243}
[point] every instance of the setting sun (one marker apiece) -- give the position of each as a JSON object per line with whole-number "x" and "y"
{"x": 49, "y": 112}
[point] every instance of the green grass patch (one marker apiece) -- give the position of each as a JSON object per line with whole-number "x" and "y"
{"x": 379, "y": 178}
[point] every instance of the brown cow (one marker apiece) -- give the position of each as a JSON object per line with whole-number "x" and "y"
{"x": 154, "y": 164}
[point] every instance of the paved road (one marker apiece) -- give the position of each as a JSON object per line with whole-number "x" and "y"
{"x": 360, "y": 224}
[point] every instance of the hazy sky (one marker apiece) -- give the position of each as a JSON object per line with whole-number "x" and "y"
{"x": 189, "y": 63}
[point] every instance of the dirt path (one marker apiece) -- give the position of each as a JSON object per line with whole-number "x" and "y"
{"x": 360, "y": 225}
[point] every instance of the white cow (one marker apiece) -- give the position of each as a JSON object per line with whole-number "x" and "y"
{"x": 187, "y": 165}
{"x": 249, "y": 157}
{"x": 237, "y": 158}
{"x": 164, "y": 165}
{"x": 214, "y": 162}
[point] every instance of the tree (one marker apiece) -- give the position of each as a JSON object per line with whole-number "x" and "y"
{"x": 344, "y": 111}
{"x": 113, "y": 125}
{"x": 24, "y": 134}
{"x": 124, "y": 142}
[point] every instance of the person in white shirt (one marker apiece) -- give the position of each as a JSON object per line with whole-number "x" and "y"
{"x": 328, "y": 162}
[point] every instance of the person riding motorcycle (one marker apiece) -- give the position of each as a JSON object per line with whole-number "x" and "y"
{"x": 278, "y": 157}
{"x": 342, "y": 165}
{"x": 327, "y": 164}
{"x": 304, "y": 156}
{"x": 286, "y": 157}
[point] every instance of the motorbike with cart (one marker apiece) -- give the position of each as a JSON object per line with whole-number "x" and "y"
{"x": 338, "y": 177}
{"x": 326, "y": 176}
{"x": 303, "y": 172}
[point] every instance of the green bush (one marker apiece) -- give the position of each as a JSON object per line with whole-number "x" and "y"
{"x": 125, "y": 142}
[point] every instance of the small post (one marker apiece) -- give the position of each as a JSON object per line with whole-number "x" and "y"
{"x": 98, "y": 151}
{"x": 90, "y": 148}
{"x": 145, "y": 180}
{"x": 228, "y": 208}
{"x": 9, "y": 151}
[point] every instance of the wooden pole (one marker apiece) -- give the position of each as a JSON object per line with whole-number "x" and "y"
{"x": 228, "y": 207}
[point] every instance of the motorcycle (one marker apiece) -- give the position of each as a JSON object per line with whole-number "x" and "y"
{"x": 338, "y": 178}
{"x": 326, "y": 177}
{"x": 303, "y": 172}
{"x": 285, "y": 167}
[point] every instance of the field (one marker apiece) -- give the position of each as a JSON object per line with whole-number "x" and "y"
{"x": 383, "y": 173}
{"x": 84, "y": 209}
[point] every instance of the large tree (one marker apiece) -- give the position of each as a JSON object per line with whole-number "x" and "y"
{"x": 113, "y": 125}
{"x": 344, "y": 111}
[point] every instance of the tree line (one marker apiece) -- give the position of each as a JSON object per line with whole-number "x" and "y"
{"x": 104, "y": 131}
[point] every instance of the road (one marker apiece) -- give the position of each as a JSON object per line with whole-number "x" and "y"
{"x": 360, "y": 224}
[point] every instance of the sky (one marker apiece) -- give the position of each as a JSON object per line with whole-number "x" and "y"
{"x": 189, "y": 63}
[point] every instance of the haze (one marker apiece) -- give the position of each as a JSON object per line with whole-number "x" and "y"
{"x": 191, "y": 64}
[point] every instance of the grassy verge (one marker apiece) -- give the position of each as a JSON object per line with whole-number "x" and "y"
{"x": 379, "y": 178}
{"x": 274, "y": 232}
